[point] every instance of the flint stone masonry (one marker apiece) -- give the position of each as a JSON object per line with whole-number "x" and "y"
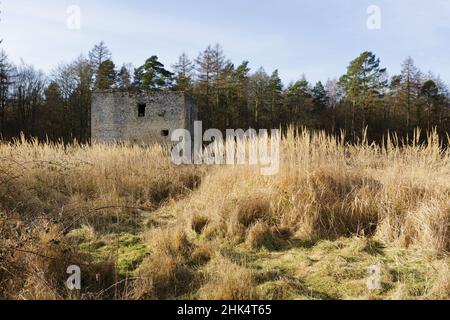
{"x": 140, "y": 117}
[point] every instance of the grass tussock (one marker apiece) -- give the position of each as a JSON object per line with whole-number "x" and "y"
{"x": 226, "y": 280}
{"x": 143, "y": 228}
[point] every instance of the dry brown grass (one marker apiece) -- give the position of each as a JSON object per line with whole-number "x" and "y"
{"x": 167, "y": 267}
{"x": 325, "y": 190}
{"x": 48, "y": 186}
{"x": 225, "y": 280}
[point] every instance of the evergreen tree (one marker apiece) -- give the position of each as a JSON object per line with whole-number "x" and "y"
{"x": 364, "y": 84}
{"x": 298, "y": 101}
{"x": 56, "y": 120}
{"x": 106, "y": 75}
{"x": 152, "y": 75}
{"x": 430, "y": 93}
{"x": 276, "y": 97}
{"x": 239, "y": 105}
{"x": 320, "y": 98}
{"x": 124, "y": 80}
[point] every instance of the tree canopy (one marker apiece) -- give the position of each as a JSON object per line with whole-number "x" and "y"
{"x": 57, "y": 105}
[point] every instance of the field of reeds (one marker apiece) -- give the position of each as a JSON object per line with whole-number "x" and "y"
{"x": 140, "y": 227}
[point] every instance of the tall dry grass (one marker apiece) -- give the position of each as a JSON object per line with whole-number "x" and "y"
{"x": 325, "y": 189}
{"x": 48, "y": 190}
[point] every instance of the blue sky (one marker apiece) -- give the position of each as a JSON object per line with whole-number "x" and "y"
{"x": 317, "y": 38}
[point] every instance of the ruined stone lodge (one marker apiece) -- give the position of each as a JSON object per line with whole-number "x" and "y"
{"x": 140, "y": 117}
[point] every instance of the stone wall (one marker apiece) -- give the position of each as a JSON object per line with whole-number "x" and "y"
{"x": 115, "y": 116}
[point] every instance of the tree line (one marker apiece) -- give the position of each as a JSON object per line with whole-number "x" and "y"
{"x": 56, "y": 106}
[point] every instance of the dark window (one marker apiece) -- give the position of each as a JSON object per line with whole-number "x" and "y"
{"x": 141, "y": 110}
{"x": 164, "y": 133}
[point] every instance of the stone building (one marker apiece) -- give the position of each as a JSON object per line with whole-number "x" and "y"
{"x": 140, "y": 117}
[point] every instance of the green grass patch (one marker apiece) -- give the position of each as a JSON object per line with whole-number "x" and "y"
{"x": 339, "y": 270}
{"x": 125, "y": 249}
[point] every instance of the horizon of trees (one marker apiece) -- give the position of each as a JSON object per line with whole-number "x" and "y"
{"x": 56, "y": 106}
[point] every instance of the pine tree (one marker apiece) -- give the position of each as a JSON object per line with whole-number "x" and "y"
{"x": 364, "y": 84}
{"x": 276, "y": 96}
{"x": 124, "y": 80}
{"x": 152, "y": 75}
{"x": 320, "y": 98}
{"x": 298, "y": 101}
{"x": 106, "y": 75}
{"x": 239, "y": 105}
{"x": 430, "y": 93}
{"x": 56, "y": 120}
